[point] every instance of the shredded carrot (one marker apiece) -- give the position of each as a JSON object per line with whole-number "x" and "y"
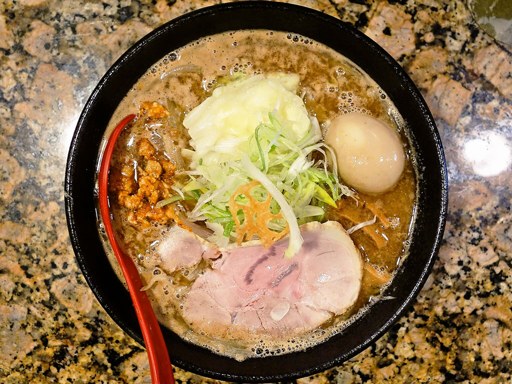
{"x": 256, "y": 216}
{"x": 378, "y": 212}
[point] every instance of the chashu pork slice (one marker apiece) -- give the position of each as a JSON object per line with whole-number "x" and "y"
{"x": 182, "y": 248}
{"x": 253, "y": 290}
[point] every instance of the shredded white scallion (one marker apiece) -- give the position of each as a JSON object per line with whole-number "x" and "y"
{"x": 245, "y": 132}
{"x": 187, "y": 68}
{"x": 361, "y": 225}
{"x": 178, "y": 191}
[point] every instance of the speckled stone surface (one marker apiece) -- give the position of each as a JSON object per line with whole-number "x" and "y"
{"x": 52, "y": 329}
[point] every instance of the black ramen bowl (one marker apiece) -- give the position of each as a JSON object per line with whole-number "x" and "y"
{"x": 432, "y": 199}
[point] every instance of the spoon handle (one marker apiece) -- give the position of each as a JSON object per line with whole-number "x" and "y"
{"x": 159, "y": 362}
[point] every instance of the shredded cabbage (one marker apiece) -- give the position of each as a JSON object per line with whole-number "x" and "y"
{"x": 221, "y": 126}
{"x": 257, "y": 128}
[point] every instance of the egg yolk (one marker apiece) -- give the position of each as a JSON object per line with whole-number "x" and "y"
{"x": 369, "y": 153}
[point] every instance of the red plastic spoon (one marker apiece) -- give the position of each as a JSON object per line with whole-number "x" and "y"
{"x": 159, "y": 362}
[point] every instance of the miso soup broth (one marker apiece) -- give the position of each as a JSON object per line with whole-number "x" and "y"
{"x": 151, "y": 202}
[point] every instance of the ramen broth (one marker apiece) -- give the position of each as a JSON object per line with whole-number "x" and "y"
{"x": 330, "y": 85}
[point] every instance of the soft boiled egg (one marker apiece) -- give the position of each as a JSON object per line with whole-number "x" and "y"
{"x": 369, "y": 153}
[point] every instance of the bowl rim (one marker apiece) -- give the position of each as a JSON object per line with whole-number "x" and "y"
{"x": 79, "y": 183}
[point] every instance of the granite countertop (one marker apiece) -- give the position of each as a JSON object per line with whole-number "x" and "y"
{"x": 52, "y": 329}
